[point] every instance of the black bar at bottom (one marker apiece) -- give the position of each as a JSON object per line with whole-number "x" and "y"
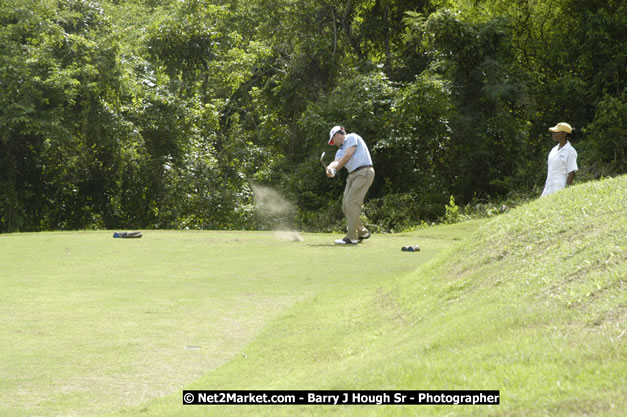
{"x": 327, "y": 397}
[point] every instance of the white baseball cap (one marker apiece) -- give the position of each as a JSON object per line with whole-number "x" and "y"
{"x": 334, "y": 131}
{"x": 561, "y": 127}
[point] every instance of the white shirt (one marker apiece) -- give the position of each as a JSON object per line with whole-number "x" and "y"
{"x": 361, "y": 156}
{"x": 561, "y": 162}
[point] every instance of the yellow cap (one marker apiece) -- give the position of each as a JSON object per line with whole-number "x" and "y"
{"x": 561, "y": 127}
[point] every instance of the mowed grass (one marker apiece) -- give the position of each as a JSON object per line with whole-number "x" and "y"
{"x": 533, "y": 304}
{"x": 90, "y": 324}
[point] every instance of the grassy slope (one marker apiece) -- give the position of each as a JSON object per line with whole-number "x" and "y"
{"x": 533, "y": 304}
{"x": 91, "y": 324}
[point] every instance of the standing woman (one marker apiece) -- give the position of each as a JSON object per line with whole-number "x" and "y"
{"x": 562, "y": 160}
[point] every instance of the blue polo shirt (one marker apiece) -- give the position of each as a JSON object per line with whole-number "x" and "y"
{"x": 361, "y": 156}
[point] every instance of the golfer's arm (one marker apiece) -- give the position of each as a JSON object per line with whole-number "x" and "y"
{"x": 571, "y": 177}
{"x": 339, "y": 164}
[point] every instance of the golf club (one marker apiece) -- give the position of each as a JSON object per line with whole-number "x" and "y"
{"x": 323, "y": 164}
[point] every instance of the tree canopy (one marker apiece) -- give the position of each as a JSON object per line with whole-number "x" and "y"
{"x": 162, "y": 113}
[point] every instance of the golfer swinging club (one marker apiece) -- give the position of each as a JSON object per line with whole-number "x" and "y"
{"x": 352, "y": 154}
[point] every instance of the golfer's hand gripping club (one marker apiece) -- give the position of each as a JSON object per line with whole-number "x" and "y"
{"x": 330, "y": 169}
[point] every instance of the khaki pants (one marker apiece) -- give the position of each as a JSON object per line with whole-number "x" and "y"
{"x": 357, "y": 185}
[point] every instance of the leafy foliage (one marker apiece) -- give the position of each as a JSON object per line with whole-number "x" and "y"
{"x": 160, "y": 113}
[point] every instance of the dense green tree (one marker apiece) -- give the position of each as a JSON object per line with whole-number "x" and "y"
{"x": 58, "y": 114}
{"x": 161, "y": 113}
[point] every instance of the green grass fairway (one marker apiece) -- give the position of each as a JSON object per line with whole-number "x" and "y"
{"x": 531, "y": 303}
{"x": 90, "y": 324}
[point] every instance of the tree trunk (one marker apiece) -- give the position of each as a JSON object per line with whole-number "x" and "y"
{"x": 386, "y": 31}
{"x": 346, "y": 24}
{"x": 333, "y": 20}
